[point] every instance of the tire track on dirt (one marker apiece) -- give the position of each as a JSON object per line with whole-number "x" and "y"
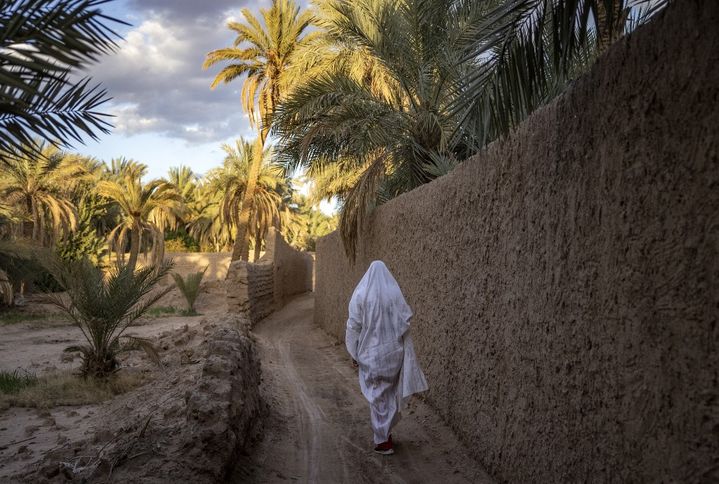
{"x": 318, "y": 428}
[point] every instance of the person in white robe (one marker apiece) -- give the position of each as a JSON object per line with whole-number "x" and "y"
{"x": 378, "y": 339}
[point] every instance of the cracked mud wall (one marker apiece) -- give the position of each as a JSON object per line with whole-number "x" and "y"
{"x": 565, "y": 282}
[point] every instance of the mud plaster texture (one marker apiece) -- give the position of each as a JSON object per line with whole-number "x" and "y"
{"x": 259, "y": 288}
{"x": 293, "y": 269}
{"x": 189, "y": 425}
{"x": 565, "y": 281}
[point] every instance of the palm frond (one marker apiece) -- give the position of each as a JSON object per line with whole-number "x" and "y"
{"x": 103, "y": 306}
{"x": 189, "y": 286}
{"x": 42, "y": 43}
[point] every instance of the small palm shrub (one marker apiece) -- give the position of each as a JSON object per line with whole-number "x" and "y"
{"x": 103, "y": 306}
{"x": 190, "y": 288}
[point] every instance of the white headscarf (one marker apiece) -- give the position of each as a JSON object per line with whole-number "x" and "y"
{"x": 378, "y": 304}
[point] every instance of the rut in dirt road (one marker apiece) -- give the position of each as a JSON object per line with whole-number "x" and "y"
{"x": 318, "y": 430}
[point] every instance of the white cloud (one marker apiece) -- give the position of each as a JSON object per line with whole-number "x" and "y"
{"x": 156, "y": 77}
{"x": 158, "y": 84}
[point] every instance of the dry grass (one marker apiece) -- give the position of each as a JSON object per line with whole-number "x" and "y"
{"x": 65, "y": 388}
{"x": 14, "y": 316}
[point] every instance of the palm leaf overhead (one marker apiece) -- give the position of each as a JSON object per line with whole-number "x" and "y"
{"x": 527, "y": 50}
{"x": 42, "y": 43}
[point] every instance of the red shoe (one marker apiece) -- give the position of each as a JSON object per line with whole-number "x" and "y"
{"x": 385, "y": 448}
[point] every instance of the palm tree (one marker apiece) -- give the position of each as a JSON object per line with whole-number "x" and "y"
{"x": 39, "y": 182}
{"x": 185, "y": 182}
{"x": 401, "y": 91}
{"x": 265, "y": 55}
{"x": 204, "y": 219}
{"x": 233, "y": 181}
{"x": 377, "y": 122}
{"x": 43, "y": 45}
{"x": 145, "y": 208}
{"x": 103, "y": 306}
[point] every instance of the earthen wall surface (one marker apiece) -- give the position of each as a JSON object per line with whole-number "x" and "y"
{"x": 256, "y": 289}
{"x": 565, "y": 282}
{"x": 292, "y": 268}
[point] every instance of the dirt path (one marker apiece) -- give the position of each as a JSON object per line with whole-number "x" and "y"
{"x": 318, "y": 429}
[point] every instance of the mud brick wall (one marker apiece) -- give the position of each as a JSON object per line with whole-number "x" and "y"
{"x": 261, "y": 290}
{"x": 565, "y": 281}
{"x": 257, "y": 289}
{"x": 292, "y": 268}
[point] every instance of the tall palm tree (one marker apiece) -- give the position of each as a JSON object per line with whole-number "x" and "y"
{"x": 265, "y": 55}
{"x": 145, "y": 208}
{"x": 233, "y": 180}
{"x": 39, "y": 182}
{"x": 377, "y": 122}
{"x": 43, "y": 44}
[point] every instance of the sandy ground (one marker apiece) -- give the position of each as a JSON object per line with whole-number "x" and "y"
{"x": 27, "y": 435}
{"x": 318, "y": 428}
{"x": 37, "y": 346}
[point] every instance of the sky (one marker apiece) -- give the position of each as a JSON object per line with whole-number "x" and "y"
{"x": 165, "y": 112}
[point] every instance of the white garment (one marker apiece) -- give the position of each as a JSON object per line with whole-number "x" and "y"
{"x": 377, "y": 338}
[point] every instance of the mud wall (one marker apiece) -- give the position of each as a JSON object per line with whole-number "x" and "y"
{"x": 292, "y": 268}
{"x": 565, "y": 282}
{"x": 257, "y": 289}
{"x": 189, "y": 262}
{"x": 261, "y": 290}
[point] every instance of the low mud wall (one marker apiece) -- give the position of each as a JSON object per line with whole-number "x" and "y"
{"x": 565, "y": 282}
{"x": 191, "y": 423}
{"x": 259, "y": 288}
{"x": 190, "y": 262}
{"x": 292, "y": 268}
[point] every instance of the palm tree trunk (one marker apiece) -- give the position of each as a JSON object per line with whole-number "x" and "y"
{"x": 134, "y": 245}
{"x": 258, "y": 243}
{"x": 159, "y": 247}
{"x": 29, "y": 225}
{"x": 241, "y": 250}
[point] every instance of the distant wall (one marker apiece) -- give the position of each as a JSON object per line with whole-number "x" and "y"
{"x": 565, "y": 282}
{"x": 189, "y": 262}
{"x": 257, "y": 289}
{"x": 292, "y": 268}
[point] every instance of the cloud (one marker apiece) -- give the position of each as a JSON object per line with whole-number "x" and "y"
{"x": 156, "y": 77}
{"x": 194, "y": 9}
